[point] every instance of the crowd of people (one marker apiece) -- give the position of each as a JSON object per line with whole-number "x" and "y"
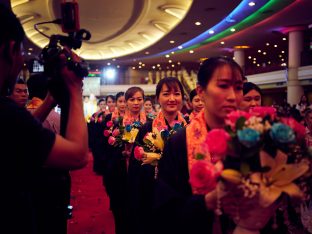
{"x": 149, "y": 191}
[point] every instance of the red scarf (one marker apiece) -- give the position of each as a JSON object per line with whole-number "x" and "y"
{"x": 196, "y": 133}
{"x": 160, "y": 122}
{"x": 115, "y": 114}
{"x": 129, "y": 119}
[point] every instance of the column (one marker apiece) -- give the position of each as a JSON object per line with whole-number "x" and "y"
{"x": 295, "y": 47}
{"x": 239, "y": 55}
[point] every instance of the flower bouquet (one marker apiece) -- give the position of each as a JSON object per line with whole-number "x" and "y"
{"x": 151, "y": 150}
{"x": 259, "y": 153}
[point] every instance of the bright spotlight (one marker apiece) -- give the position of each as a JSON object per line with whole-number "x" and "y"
{"x": 110, "y": 73}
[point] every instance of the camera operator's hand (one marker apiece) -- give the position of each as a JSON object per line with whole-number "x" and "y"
{"x": 71, "y": 80}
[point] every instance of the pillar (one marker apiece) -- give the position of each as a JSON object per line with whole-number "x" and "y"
{"x": 295, "y": 47}
{"x": 239, "y": 55}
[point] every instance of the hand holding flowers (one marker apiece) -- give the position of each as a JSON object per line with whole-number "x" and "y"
{"x": 261, "y": 154}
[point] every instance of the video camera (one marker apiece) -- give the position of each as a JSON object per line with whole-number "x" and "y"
{"x": 60, "y": 44}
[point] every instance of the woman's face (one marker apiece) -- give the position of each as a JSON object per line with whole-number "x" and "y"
{"x": 102, "y": 105}
{"x": 111, "y": 104}
{"x": 121, "y": 104}
{"x": 222, "y": 94}
{"x": 170, "y": 100}
{"x": 135, "y": 103}
{"x": 197, "y": 104}
{"x": 148, "y": 107}
{"x": 251, "y": 99}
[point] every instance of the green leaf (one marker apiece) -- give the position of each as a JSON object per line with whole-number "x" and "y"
{"x": 244, "y": 168}
{"x": 240, "y": 123}
{"x": 199, "y": 156}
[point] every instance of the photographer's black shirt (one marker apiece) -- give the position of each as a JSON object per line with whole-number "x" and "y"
{"x": 24, "y": 147}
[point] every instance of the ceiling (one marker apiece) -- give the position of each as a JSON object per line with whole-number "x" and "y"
{"x": 151, "y": 32}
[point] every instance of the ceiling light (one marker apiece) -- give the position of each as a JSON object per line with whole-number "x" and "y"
{"x": 170, "y": 61}
{"x": 178, "y": 63}
{"x": 211, "y": 32}
{"x": 158, "y": 65}
{"x": 197, "y": 23}
{"x": 254, "y": 62}
{"x": 143, "y": 65}
{"x": 133, "y": 68}
{"x": 275, "y": 46}
{"x": 167, "y": 55}
{"x": 269, "y": 62}
{"x": 258, "y": 65}
{"x": 254, "y": 58}
{"x": 233, "y": 29}
{"x": 140, "y": 63}
{"x": 284, "y": 39}
{"x": 222, "y": 43}
{"x": 171, "y": 42}
{"x": 283, "y": 51}
{"x": 191, "y": 51}
{"x": 174, "y": 10}
{"x": 267, "y": 44}
{"x": 110, "y": 73}
{"x": 118, "y": 66}
{"x": 153, "y": 67}
{"x": 30, "y": 49}
{"x": 172, "y": 65}
{"x": 264, "y": 53}
{"x": 180, "y": 47}
{"x": 259, "y": 51}
{"x": 29, "y": 53}
{"x": 172, "y": 52}
{"x": 146, "y": 52}
{"x": 140, "y": 67}
{"x": 251, "y": 4}
{"x": 108, "y": 64}
{"x": 249, "y": 57}
{"x": 280, "y": 55}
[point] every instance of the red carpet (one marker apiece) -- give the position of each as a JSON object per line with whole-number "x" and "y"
{"x": 91, "y": 214}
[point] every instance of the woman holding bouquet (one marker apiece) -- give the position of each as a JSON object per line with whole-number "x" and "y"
{"x": 116, "y": 170}
{"x": 143, "y": 168}
{"x": 252, "y": 96}
{"x": 179, "y": 209}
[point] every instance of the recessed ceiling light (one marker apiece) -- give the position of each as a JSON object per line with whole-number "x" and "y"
{"x": 172, "y": 65}
{"x": 258, "y": 65}
{"x": 191, "y": 51}
{"x": 158, "y": 65}
{"x": 133, "y": 68}
{"x": 143, "y": 65}
{"x": 233, "y": 29}
{"x": 29, "y": 53}
{"x": 269, "y": 62}
{"x": 140, "y": 63}
{"x": 249, "y": 57}
{"x": 140, "y": 67}
{"x": 284, "y": 38}
{"x": 267, "y": 44}
{"x": 259, "y": 51}
{"x": 197, "y": 23}
{"x": 118, "y": 66}
{"x": 108, "y": 64}
{"x": 251, "y": 4}
{"x": 211, "y": 32}
{"x": 275, "y": 46}
{"x": 254, "y": 58}
{"x": 170, "y": 61}
{"x": 146, "y": 52}
{"x": 114, "y": 59}
{"x": 264, "y": 53}
{"x": 254, "y": 62}
{"x": 153, "y": 67}
{"x": 222, "y": 43}
{"x": 30, "y": 49}
{"x": 178, "y": 63}
{"x": 171, "y": 42}
{"x": 180, "y": 47}
{"x": 167, "y": 55}
{"x": 283, "y": 51}
{"x": 172, "y": 52}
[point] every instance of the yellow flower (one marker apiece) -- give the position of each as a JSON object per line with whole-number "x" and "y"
{"x": 156, "y": 139}
{"x": 150, "y": 158}
{"x": 130, "y": 136}
{"x": 279, "y": 178}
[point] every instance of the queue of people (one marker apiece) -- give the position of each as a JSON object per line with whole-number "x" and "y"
{"x": 144, "y": 155}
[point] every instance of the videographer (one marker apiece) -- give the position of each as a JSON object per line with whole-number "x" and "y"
{"x": 26, "y": 146}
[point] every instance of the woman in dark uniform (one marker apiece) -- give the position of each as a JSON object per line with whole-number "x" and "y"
{"x": 115, "y": 175}
{"x": 178, "y": 209}
{"x": 169, "y": 94}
